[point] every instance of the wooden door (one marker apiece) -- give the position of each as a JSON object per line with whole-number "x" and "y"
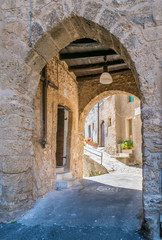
{"x": 102, "y": 134}
{"x": 66, "y": 128}
{"x": 60, "y": 137}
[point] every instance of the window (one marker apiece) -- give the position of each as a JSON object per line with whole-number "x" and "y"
{"x": 131, "y": 99}
{"x": 92, "y": 126}
{"x": 89, "y": 131}
{"x": 129, "y": 134}
{"x": 130, "y": 128}
{"x": 109, "y": 121}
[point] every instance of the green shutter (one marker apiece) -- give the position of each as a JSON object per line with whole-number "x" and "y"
{"x": 131, "y": 99}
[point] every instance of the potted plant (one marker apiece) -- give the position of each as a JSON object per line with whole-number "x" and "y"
{"x": 43, "y": 142}
{"x": 127, "y": 144}
{"x": 87, "y": 140}
{"x": 95, "y": 144}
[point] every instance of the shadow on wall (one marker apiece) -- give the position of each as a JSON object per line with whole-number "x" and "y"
{"x": 92, "y": 168}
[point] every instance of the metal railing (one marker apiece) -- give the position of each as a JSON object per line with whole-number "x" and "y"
{"x": 95, "y": 152}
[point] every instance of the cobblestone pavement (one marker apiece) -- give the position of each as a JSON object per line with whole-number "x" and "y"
{"x": 105, "y": 207}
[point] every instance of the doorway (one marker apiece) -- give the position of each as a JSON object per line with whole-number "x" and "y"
{"x": 89, "y": 131}
{"x": 63, "y": 137}
{"x": 129, "y": 129}
{"x": 102, "y": 134}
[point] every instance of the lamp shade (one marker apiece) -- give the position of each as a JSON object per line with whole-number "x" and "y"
{"x": 106, "y": 78}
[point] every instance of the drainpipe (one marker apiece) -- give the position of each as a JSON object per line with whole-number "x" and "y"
{"x": 98, "y": 121}
{"x": 45, "y": 86}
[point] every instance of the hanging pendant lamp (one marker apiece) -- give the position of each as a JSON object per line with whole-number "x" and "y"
{"x": 105, "y": 77}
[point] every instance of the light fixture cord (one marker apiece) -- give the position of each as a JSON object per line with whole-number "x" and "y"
{"x": 105, "y": 65}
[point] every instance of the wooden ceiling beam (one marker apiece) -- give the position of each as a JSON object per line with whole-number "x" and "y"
{"x": 84, "y": 45}
{"x": 84, "y": 40}
{"x": 100, "y": 69}
{"x": 97, "y": 76}
{"x": 68, "y": 56}
{"x": 94, "y": 66}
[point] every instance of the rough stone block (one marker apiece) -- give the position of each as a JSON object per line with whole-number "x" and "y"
{"x": 35, "y": 61}
{"x": 46, "y": 47}
{"x": 90, "y": 29}
{"x": 37, "y": 32}
{"x": 92, "y": 9}
{"x": 16, "y": 108}
{"x": 109, "y": 18}
{"x": 61, "y": 36}
{"x": 15, "y": 133}
{"x": 69, "y": 26}
{"x": 76, "y": 24}
{"x": 10, "y": 147}
{"x": 15, "y": 164}
{"x": 104, "y": 36}
{"x": 11, "y": 120}
{"x": 51, "y": 19}
{"x": 152, "y": 33}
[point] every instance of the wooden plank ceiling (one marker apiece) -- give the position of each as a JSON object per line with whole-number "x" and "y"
{"x": 85, "y": 58}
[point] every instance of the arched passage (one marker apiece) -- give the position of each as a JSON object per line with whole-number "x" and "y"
{"x": 115, "y": 110}
{"x": 84, "y": 113}
{"x": 48, "y": 40}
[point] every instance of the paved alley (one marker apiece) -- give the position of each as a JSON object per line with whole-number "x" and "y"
{"x": 105, "y": 207}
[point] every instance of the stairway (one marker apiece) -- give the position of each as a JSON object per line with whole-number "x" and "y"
{"x": 64, "y": 179}
{"x": 126, "y": 157}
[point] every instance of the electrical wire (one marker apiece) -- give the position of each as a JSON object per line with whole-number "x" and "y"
{"x": 30, "y": 23}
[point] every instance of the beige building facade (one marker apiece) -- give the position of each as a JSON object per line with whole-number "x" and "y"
{"x": 35, "y": 84}
{"x": 119, "y": 120}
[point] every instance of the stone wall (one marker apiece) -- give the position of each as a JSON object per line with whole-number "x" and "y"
{"x": 44, "y": 161}
{"x": 131, "y": 28}
{"x": 67, "y": 95}
{"x": 90, "y": 89}
{"x": 126, "y": 110}
{"x": 92, "y": 168}
{"x": 107, "y": 110}
{"x": 44, "y": 164}
{"x": 92, "y": 123}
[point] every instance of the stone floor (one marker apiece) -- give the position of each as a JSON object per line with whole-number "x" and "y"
{"x": 105, "y": 207}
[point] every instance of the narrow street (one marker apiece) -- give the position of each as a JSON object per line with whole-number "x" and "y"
{"x": 105, "y": 207}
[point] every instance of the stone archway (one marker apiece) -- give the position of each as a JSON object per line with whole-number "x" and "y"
{"x": 52, "y": 31}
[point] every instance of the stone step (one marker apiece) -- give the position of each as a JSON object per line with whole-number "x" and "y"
{"x": 60, "y": 169}
{"x": 122, "y": 155}
{"x": 66, "y": 183}
{"x": 127, "y": 161}
{"x": 127, "y": 151}
{"x": 125, "y": 158}
{"x": 63, "y": 176}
